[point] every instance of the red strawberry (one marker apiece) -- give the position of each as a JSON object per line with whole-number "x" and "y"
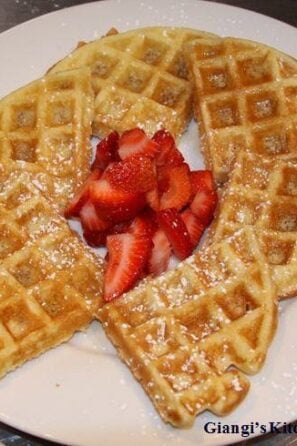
{"x": 119, "y": 228}
{"x": 168, "y": 153}
{"x": 152, "y": 199}
{"x": 160, "y": 255}
{"x": 194, "y": 226}
{"x": 127, "y": 257}
{"x": 90, "y": 220}
{"x": 163, "y": 178}
{"x": 177, "y": 181}
{"x": 203, "y": 205}
{"x": 175, "y": 229}
{"x": 201, "y": 180}
{"x": 135, "y": 142}
{"x": 106, "y": 151}
{"x": 135, "y": 174}
{"x": 95, "y": 239}
{"x": 144, "y": 225}
{"x": 115, "y": 204}
{"x": 82, "y": 195}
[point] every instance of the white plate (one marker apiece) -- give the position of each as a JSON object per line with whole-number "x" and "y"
{"x": 80, "y": 393}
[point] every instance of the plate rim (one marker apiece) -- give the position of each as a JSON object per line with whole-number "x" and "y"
{"x": 19, "y": 29}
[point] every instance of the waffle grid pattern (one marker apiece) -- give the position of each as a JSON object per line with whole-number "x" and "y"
{"x": 139, "y": 78}
{"x": 45, "y": 129}
{"x": 263, "y": 193}
{"x": 191, "y": 335}
{"x": 51, "y": 284}
{"x": 246, "y": 98}
{"x": 181, "y": 333}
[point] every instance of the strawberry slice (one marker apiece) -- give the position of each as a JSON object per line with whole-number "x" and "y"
{"x": 82, "y": 196}
{"x": 98, "y": 238}
{"x": 203, "y": 205}
{"x": 163, "y": 175}
{"x": 179, "y": 190}
{"x": 160, "y": 255}
{"x": 194, "y": 226}
{"x": 152, "y": 199}
{"x": 119, "y": 228}
{"x": 175, "y": 229}
{"x": 90, "y": 220}
{"x": 106, "y": 151}
{"x": 135, "y": 174}
{"x": 135, "y": 142}
{"x": 127, "y": 257}
{"x": 201, "y": 180}
{"x": 144, "y": 225}
{"x": 115, "y": 204}
{"x": 95, "y": 239}
{"x": 168, "y": 153}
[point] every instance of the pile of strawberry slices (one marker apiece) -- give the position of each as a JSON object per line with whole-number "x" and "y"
{"x": 142, "y": 202}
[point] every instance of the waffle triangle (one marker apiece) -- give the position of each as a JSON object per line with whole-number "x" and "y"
{"x": 139, "y": 78}
{"x": 262, "y": 193}
{"x": 245, "y": 96}
{"x": 50, "y": 282}
{"x": 191, "y": 335}
{"x": 45, "y": 129}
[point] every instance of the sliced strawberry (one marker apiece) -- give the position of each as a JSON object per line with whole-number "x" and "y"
{"x": 152, "y": 199}
{"x": 119, "y": 228}
{"x": 144, "y": 225}
{"x": 98, "y": 238}
{"x": 127, "y": 257}
{"x": 95, "y": 239}
{"x": 115, "y": 204}
{"x": 201, "y": 180}
{"x": 90, "y": 220}
{"x": 179, "y": 190}
{"x": 160, "y": 255}
{"x": 163, "y": 176}
{"x": 106, "y": 151}
{"x": 135, "y": 142}
{"x": 194, "y": 226}
{"x": 81, "y": 197}
{"x": 135, "y": 174}
{"x": 175, "y": 229}
{"x": 203, "y": 205}
{"x": 168, "y": 153}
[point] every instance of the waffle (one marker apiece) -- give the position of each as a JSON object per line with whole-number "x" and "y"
{"x": 45, "y": 129}
{"x": 139, "y": 78}
{"x": 245, "y": 97}
{"x": 182, "y": 333}
{"x": 51, "y": 284}
{"x": 263, "y": 193}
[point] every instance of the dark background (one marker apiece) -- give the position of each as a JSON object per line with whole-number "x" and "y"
{"x": 17, "y": 11}
{"x": 13, "y": 12}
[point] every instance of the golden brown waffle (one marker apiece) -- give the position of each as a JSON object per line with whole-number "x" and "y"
{"x": 245, "y": 97}
{"x": 50, "y": 283}
{"x": 263, "y": 193}
{"x": 139, "y": 78}
{"x": 181, "y": 333}
{"x": 45, "y": 129}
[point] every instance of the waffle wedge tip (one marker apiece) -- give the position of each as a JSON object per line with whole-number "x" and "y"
{"x": 191, "y": 335}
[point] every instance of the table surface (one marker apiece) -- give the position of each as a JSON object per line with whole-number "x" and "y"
{"x": 13, "y": 12}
